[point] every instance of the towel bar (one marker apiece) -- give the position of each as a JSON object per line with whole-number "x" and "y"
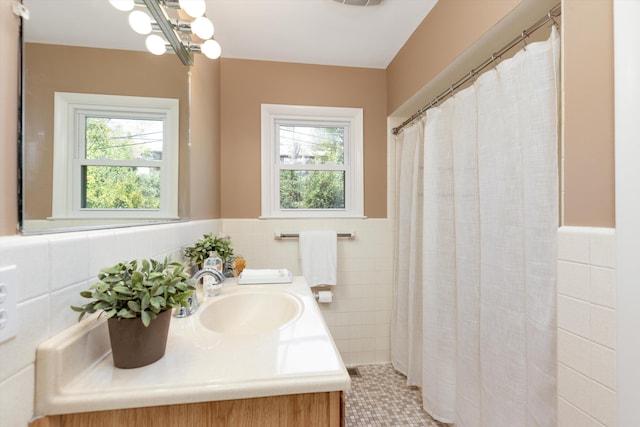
{"x": 280, "y": 236}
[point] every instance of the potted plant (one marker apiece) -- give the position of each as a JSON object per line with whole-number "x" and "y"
{"x": 137, "y": 298}
{"x": 207, "y": 244}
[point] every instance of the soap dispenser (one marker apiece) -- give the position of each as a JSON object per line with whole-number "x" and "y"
{"x": 209, "y": 285}
{"x": 214, "y": 261}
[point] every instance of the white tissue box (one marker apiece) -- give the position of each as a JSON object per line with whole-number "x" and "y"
{"x": 252, "y": 277}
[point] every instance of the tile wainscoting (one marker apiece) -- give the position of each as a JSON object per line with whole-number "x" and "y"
{"x": 359, "y": 316}
{"x": 586, "y": 327}
{"x": 53, "y": 269}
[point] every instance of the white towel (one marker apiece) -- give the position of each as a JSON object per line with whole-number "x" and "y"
{"x": 319, "y": 257}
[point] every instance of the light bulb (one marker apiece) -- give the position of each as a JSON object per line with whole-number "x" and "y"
{"x": 123, "y": 5}
{"x": 211, "y": 49}
{"x": 140, "y": 22}
{"x": 202, "y": 27}
{"x": 155, "y": 44}
{"x": 194, "y": 8}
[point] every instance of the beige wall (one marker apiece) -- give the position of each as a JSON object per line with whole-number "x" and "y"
{"x": 52, "y": 68}
{"x": 451, "y": 27}
{"x": 9, "y": 51}
{"x": 587, "y": 63}
{"x": 205, "y": 139}
{"x": 589, "y": 181}
{"x": 246, "y": 84}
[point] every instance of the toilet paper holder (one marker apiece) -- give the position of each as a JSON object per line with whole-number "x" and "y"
{"x": 323, "y": 296}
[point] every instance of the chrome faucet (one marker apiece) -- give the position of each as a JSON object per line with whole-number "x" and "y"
{"x": 193, "y": 299}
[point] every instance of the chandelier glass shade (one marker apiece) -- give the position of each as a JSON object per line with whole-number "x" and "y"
{"x": 177, "y": 26}
{"x": 156, "y": 44}
{"x": 140, "y": 22}
{"x": 123, "y": 5}
{"x": 193, "y": 8}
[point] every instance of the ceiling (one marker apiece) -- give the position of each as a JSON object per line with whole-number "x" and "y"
{"x": 304, "y": 31}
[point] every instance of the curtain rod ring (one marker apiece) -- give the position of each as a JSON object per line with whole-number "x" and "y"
{"x": 551, "y": 17}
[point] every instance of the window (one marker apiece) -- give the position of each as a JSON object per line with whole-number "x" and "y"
{"x": 311, "y": 161}
{"x": 115, "y": 157}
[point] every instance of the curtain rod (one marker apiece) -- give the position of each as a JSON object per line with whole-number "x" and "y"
{"x": 550, "y": 16}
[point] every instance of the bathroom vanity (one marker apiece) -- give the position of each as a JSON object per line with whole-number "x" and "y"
{"x": 311, "y": 409}
{"x": 255, "y": 355}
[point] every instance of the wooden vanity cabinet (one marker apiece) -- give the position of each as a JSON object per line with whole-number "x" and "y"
{"x": 295, "y": 410}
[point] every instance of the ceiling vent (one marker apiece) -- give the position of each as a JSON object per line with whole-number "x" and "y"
{"x": 360, "y": 2}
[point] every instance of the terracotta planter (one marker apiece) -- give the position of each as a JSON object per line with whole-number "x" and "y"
{"x": 133, "y": 345}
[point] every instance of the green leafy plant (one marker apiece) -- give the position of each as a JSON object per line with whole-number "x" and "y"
{"x": 205, "y": 245}
{"x": 222, "y": 246}
{"x": 138, "y": 289}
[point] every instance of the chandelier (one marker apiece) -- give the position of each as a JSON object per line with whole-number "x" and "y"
{"x": 177, "y": 25}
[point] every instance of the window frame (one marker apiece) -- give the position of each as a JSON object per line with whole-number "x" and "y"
{"x": 69, "y": 109}
{"x": 274, "y": 115}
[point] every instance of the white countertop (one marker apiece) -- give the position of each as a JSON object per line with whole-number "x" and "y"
{"x": 75, "y": 372}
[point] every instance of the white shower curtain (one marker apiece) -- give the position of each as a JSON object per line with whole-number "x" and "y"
{"x": 474, "y": 321}
{"x": 407, "y": 346}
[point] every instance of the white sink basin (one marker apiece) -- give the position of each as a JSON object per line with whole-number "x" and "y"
{"x": 250, "y": 313}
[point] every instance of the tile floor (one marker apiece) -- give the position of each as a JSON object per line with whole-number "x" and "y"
{"x": 379, "y": 397}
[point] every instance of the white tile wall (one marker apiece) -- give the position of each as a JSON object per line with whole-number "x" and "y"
{"x": 16, "y": 398}
{"x": 52, "y": 269}
{"x": 360, "y": 315}
{"x": 586, "y": 327}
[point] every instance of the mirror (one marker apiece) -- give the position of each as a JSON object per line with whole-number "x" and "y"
{"x": 86, "y": 46}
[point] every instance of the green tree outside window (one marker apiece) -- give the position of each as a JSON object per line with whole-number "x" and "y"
{"x": 302, "y": 188}
{"x": 119, "y": 187}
